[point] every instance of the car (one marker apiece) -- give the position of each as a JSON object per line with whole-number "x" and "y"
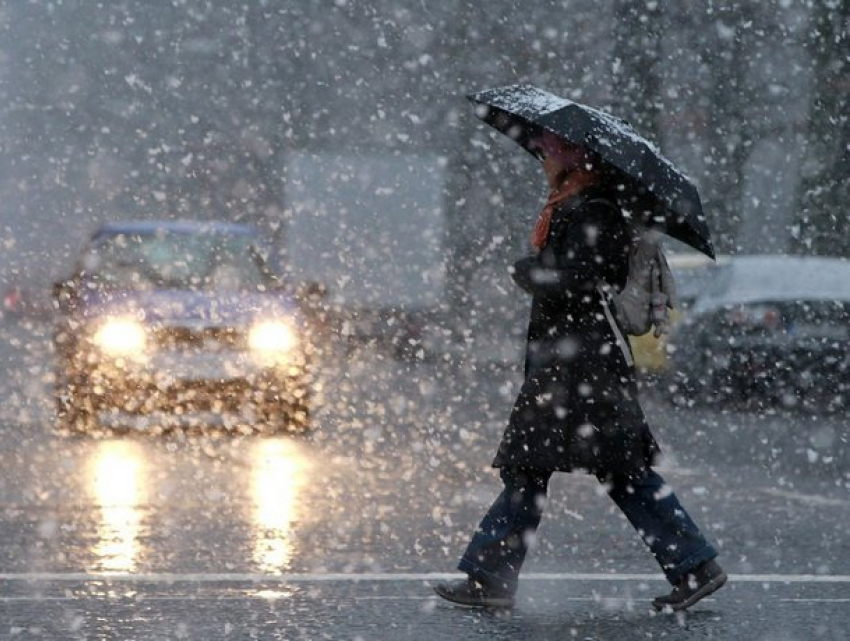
{"x": 26, "y": 303}
{"x": 770, "y": 328}
{"x": 181, "y": 317}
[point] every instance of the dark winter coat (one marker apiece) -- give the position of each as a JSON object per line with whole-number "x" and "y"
{"x": 578, "y": 407}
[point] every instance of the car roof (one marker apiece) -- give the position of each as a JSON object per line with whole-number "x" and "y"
{"x": 145, "y": 227}
{"x": 779, "y": 278}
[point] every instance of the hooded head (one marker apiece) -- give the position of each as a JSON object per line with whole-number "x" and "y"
{"x": 560, "y": 157}
{"x": 550, "y": 145}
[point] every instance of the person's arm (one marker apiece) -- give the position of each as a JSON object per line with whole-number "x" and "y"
{"x": 533, "y": 276}
{"x": 584, "y": 252}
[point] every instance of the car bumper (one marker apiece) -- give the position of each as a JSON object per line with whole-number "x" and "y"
{"x": 825, "y": 366}
{"x": 194, "y": 381}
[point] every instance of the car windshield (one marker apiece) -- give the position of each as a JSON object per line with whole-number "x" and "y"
{"x": 692, "y": 282}
{"x": 717, "y": 282}
{"x": 165, "y": 260}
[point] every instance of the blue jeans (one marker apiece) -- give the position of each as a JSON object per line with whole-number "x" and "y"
{"x": 498, "y": 548}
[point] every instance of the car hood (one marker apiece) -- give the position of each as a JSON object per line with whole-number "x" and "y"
{"x": 173, "y": 307}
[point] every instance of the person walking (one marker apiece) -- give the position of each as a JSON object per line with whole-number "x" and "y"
{"x": 578, "y": 408}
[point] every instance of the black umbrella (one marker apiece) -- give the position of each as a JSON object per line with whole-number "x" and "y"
{"x": 668, "y": 199}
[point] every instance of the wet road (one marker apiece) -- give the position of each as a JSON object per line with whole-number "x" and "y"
{"x": 205, "y": 534}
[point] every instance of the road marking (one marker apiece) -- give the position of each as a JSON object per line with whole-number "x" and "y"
{"x": 77, "y": 577}
{"x": 808, "y": 499}
{"x": 739, "y": 578}
{"x": 580, "y": 599}
{"x": 419, "y": 598}
{"x": 815, "y": 600}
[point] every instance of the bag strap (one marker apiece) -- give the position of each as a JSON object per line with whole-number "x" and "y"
{"x": 622, "y": 342}
{"x": 599, "y": 200}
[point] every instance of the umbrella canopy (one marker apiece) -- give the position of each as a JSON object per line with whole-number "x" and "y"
{"x": 669, "y": 198}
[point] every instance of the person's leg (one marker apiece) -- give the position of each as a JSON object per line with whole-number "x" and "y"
{"x": 497, "y": 550}
{"x": 655, "y": 512}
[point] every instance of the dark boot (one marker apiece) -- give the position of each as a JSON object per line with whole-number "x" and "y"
{"x": 695, "y": 585}
{"x": 472, "y": 593}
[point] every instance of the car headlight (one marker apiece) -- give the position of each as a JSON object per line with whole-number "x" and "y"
{"x": 271, "y": 338}
{"x": 121, "y": 337}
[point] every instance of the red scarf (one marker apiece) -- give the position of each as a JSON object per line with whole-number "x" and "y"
{"x": 575, "y": 182}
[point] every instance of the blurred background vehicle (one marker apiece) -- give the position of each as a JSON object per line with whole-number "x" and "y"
{"x": 773, "y": 327}
{"x": 183, "y": 317}
{"x": 692, "y": 272}
{"x": 21, "y": 302}
{"x": 371, "y": 229}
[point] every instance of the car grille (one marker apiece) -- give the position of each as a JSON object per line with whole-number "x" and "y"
{"x": 176, "y": 338}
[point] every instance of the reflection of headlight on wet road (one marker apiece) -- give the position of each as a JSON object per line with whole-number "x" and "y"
{"x": 121, "y": 337}
{"x": 279, "y": 471}
{"x": 119, "y": 479}
{"x": 271, "y": 338}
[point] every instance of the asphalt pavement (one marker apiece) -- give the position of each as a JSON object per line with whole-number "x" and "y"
{"x": 210, "y": 533}
{"x": 386, "y": 607}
